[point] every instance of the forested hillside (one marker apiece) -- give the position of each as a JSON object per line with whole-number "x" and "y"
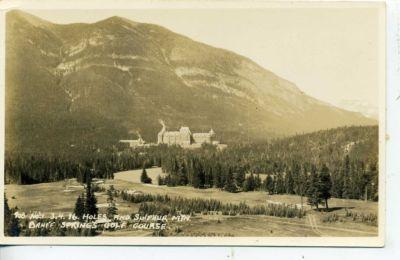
{"x": 349, "y": 154}
{"x": 282, "y": 166}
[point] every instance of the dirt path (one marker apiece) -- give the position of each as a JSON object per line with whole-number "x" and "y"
{"x": 313, "y": 223}
{"x": 311, "y": 219}
{"x": 349, "y": 230}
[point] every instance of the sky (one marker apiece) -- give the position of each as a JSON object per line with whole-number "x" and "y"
{"x": 331, "y": 54}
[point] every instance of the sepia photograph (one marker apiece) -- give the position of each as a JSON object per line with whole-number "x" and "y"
{"x": 201, "y": 126}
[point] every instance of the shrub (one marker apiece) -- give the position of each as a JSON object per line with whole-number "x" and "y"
{"x": 330, "y": 218}
{"x": 369, "y": 218}
{"x": 163, "y": 204}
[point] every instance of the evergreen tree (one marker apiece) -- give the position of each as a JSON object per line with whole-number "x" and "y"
{"x": 182, "y": 174}
{"x": 230, "y": 185}
{"x": 208, "y": 174}
{"x": 313, "y": 192}
{"x": 357, "y": 180}
{"x": 269, "y": 184}
{"x": 279, "y": 184}
{"x": 217, "y": 176}
{"x": 301, "y": 184}
{"x": 366, "y": 179}
{"x": 90, "y": 200}
{"x": 347, "y": 187}
{"x": 257, "y": 182}
{"x": 167, "y": 180}
{"x": 324, "y": 184}
{"x": 289, "y": 182}
{"x": 7, "y": 210}
{"x": 160, "y": 180}
{"x": 144, "y": 178}
{"x": 374, "y": 183}
{"x": 249, "y": 183}
{"x": 337, "y": 183}
{"x": 11, "y": 223}
{"x": 240, "y": 177}
{"x": 13, "y": 228}
{"x": 197, "y": 173}
{"x": 79, "y": 207}
{"x": 111, "y": 209}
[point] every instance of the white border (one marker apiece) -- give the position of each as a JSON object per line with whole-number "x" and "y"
{"x": 238, "y": 241}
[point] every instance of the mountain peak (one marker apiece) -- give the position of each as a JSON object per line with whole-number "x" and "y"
{"x": 117, "y": 20}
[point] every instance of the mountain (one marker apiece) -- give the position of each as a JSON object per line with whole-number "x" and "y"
{"x": 361, "y": 106}
{"x": 330, "y": 146}
{"x": 79, "y": 84}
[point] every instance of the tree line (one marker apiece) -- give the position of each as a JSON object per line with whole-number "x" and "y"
{"x": 166, "y": 205}
{"x": 350, "y": 155}
{"x": 347, "y": 178}
{"x": 25, "y": 168}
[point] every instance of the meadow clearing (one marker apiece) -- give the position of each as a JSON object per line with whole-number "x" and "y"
{"x": 60, "y": 196}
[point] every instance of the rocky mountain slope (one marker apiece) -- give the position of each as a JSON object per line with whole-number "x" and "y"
{"x": 78, "y": 84}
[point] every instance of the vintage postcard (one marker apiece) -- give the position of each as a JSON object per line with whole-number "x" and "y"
{"x": 189, "y": 123}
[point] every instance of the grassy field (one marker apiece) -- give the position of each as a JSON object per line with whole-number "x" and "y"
{"x": 134, "y": 175}
{"x": 61, "y": 196}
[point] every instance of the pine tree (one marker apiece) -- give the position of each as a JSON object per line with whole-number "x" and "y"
{"x": 374, "y": 183}
{"x": 198, "y": 174}
{"x": 324, "y": 184}
{"x": 144, "y": 178}
{"x": 301, "y": 184}
{"x": 160, "y": 180}
{"x": 111, "y": 209}
{"x": 366, "y": 180}
{"x": 13, "y": 227}
{"x": 182, "y": 174}
{"x": 347, "y": 192}
{"x": 90, "y": 200}
{"x": 337, "y": 184}
{"x": 240, "y": 178}
{"x": 167, "y": 180}
{"x": 208, "y": 175}
{"x": 217, "y": 173}
{"x": 79, "y": 207}
{"x": 11, "y": 223}
{"x": 257, "y": 182}
{"x": 269, "y": 184}
{"x": 289, "y": 182}
{"x": 279, "y": 184}
{"x": 313, "y": 192}
{"x": 249, "y": 183}
{"x": 230, "y": 185}
{"x": 196, "y": 181}
{"x": 7, "y": 210}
